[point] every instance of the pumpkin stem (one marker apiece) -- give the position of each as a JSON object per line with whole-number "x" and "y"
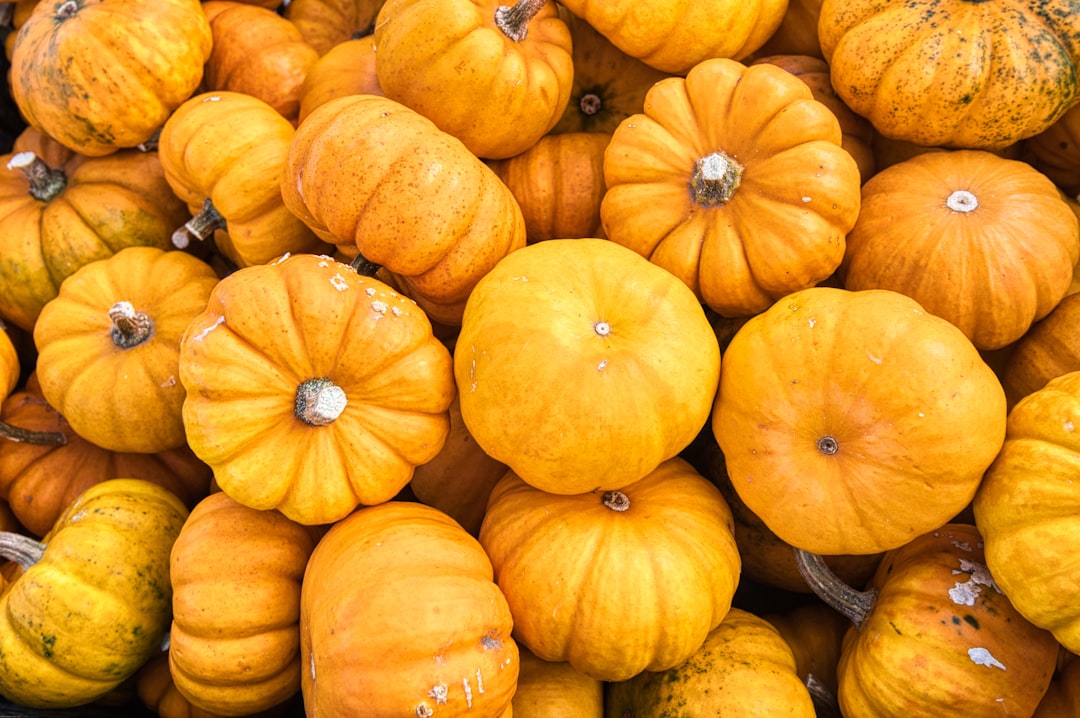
{"x": 962, "y": 201}
{"x": 513, "y": 20}
{"x": 825, "y": 703}
{"x": 852, "y": 604}
{"x": 23, "y": 550}
{"x": 616, "y": 501}
{"x": 715, "y": 179}
{"x": 202, "y": 226}
{"x": 364, "y": 266}
{"x": 129, "y": 327}
{"x": 45, "y": 182}
{"x": 319, "y": 402}
{"x": 26, "y": 436}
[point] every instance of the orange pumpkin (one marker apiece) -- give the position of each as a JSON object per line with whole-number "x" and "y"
{"x": 328, "y": 23}
{"x": 496, "y": 76}
{"x": 1056, "y": 151}
{"x": 1026, "y": 509}
{"x": 101, "y": 75}
{"x": 1050, "y": 348}
{"x": 312, "y": 389}
{"x": 582, "y": 366}
{"x": 374, "y": 177}
{"x": 547, "y": 688}
{"x": 815, "y": 632}
{"x": 449, "y": 651}
{"x": 734, "y": 180}
{"x": 1062, "y": 700}
{"x": 982, "y": 241}
{"x": 957, "y": 74}
{"x": 61, "y": 210}
{"x": 879, "y": 422}
{"x": 614, "y": 582}
{"x": 348, "y": 68}
{"x": 797, "y": 33}
{"x": 155, "y": 689}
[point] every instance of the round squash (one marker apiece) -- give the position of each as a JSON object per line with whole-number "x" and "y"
{"x": 614, "y": 582}
{"x": 982, "y": 241}
{"x": 313, "y": 389}
{"x": 101, "y": 75}
{"x": 1050, "y": 348}
{"x": 852, "y": 422}
{"x": 328, "y": 23}
{"x": 582, "y": 366}
{"x": 117, "y": 323}
{"x": 734, "y": 180}
{"x": 1056, "y": 151}
{"x": 399, "y": 616}
{"x": 348, "y": 68}
{"x": 1027, "y": 509}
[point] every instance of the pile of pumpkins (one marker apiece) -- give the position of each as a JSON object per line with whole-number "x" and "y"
{"x": 624, "y": 359}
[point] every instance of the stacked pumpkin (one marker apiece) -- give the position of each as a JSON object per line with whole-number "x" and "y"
{"x": 423, "y": 358}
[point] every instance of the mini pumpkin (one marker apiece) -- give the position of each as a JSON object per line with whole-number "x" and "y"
{"x": 328, "y": 23}
{"x": 347, "y": 68}
{"x": 546, "y": 687}
{"x": 1050, "y": 348}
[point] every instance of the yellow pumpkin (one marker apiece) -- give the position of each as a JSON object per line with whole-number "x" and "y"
{"x": 1050, "y": 348}
{"x": 547, "y": 688}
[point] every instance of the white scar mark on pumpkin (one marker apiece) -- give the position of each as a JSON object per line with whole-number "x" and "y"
{"x": 379, "y": 307}
{"x": 982, "y": 657}
{"x": 312, "y": 661}
{"x": 479, "y": 682}
{"x": 468, "y": 692}
{"x": 811, "y": 322}
{"x": 873, "y": 358}
{"x": 439, "y": 693}
{"x": 370, "y": 291}
{"x": 1068, "y": 425}
{"x": 601, "y": 365}
{"x": 280, "y": 259}
{"x": 202, "y": 335}
{"x": 339, "y": 283}
{"x": 964, "y": 593}
{"x": 962, "y": 545}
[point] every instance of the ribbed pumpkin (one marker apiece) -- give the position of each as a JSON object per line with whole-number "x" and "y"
{"x": 1050, "y": 348}
{"x": 1027, "y": 509}
{"x": 734, "y": 180}
{"x": 982, "y": 241}
{"x": 234, "y": 645}
{"x": 348, "y": 68}
{"x": 852, "y": 422}
{"x": 312, "y": 389}
{"x": 960, "y": 74}
{"x": 328, "y": 23}
{"x": 445, "y": 647}
{"x": 117, "y": 323}
{"x": 614, "y": 582}
{"x": 61, "y": 210}
{"x": 223, "y": 154}
{"x": 374, "y": 177}
{"x": 156, "y": 691}
{"x": 1056, "y": 151}
{"x": 1062, "y": 700}
{"x": 101, "y": 75}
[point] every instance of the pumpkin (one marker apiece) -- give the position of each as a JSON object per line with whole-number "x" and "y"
{"x": 313, "y": 389}
{"x": 815, "y": 633}
{"x": 1050, "y": 348}
{"x": 982, "y": 241}
{"x": 156, "y": 691}
{"x": 614, "y": 582}
{"x": 42, "y": 474}
{"x": 558, "y": 183}
{"x": 1062, "y": 699}
{"x": 675, "y": 36}
{"x": 744, "y": 669}
{"x": 379, "y": 179}
{"x": 956, "y": 74}
{"x": 328, "y": 23}
{"x": 797, "y": 33}
{"x": 582, "y": 366}
{"x": 101, "y": 75}
{"x": 15, "y": 17}
{"x": 495, "y": 76}
{"x": 10, "y": 367}
{"x": 117, "y": 322}
{"x": 933, "y": 635}
{"x": 608, "y": 86}
{"x": 234, "y": 645}
{"x": 257, "y": 52}
{"x": 734, "y": 180}
{"x": 879, "y": 422}
{"x": 1056, "y": 151}
{"x": 399, "y": 615}
{"x": 223, "y": 154}
{"x": 545, "y": 688}
{"x": 92, "y": 604}
{"x": 1026, "y": 509}
{"x": 61, "y": 210}
{"x": 348, "y": 68}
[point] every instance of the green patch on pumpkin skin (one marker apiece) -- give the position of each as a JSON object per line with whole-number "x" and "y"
{"x": 48, "y": 644}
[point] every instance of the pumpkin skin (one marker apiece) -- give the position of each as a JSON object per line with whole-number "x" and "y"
{"x": 982, "y": 241}
{"x": 65, "y": 84}
{"x": 312, "y": 389}
{"x": 955, "y": 74}
{"x": 230, "y": 148}
{"x": 257, "y": 52}
{"x": 1056, "y": 151}
{"x": 572, "y": 328}
{"x": 815, "y": 633}
{"x": 675, "y": 36}
{"x": 10, "y": 367}
{"x": 1050, "y": 348}
{"x": 348, "y": 68}
{"x": 617, "y": 582}
{"x": 1026, "y": 509}
{"x": 559, "y": 184}
{"x": 74, "y": 626}
{"x": 546, "y": 688}
{"x": 1062, "y": 700}
{"x": 880, "y": 422}
{"x": 155, "y": 689}
{"x": 497, "y": 80}
{"x": 39, "y": 481}
{"x": 744, "y": 669}
{"x": 117, "y": 323}
{"x": 941, "y": 638}
{"x": 234, "y": 645}
{"x": 104, "y": 205}
{"x": 403, "y": 560}
{"x": 797, "y": 33}
{"x": 328, "y": 23}
{"x": 374, "y": 177}
{"x": 734, "y": 180}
